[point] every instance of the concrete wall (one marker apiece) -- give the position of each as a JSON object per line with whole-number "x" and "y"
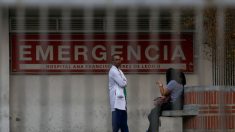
{"x": 58, "y": 103}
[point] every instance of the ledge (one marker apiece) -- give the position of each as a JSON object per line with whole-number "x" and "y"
{"x": 177, "y": 113}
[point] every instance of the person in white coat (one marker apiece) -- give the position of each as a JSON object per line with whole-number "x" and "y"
{"x": 117, "y": 94}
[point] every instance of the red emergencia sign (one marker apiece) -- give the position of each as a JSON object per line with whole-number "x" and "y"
{"x": 57, "y": 53}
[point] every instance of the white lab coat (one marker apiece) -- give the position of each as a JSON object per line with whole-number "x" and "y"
{"x": 117, "y": 82}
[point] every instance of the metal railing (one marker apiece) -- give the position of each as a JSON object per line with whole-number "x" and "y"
{"x": 68, "y": 101}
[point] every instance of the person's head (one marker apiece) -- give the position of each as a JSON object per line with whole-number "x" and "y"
{"x": 116, "y": 60}
{"x": 173, "y": 74}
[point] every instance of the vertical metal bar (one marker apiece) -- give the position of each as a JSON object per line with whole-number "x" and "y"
{"x": 4, "y": 71}
{"x": 110, "y": 31}
{"x": 199, "y": 52}
{"x": 227, "y": 62}
{"x": 221, "y": 49}
{"x": 176, "y": 24}
{"x": 216, "y": 65}
{"x": 176, "y": 33}
{"x": 89, "y": 79}
{"x": 154, "y": 39}
{"x": 133, "y": 80}
{"x": 199, "y": 45}
{"x": 233, "y": 65}
{"x": 214, "y": 52}
{"x": 66, "y": 88}
{"x": 44, "y": 89}
{"x": 220, "y": 43}
{"x": 133, "y": 30}
{"x": 110, "y": 28}
{"x": 1, "y": 67}
{"x": 19, "y": 91}
{"x": 227, "y": 69}
{"x": 213, "y": 66}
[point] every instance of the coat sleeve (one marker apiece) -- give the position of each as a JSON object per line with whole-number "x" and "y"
{"x": 118, "y": 79}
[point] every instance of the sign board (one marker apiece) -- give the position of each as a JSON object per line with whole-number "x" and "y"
{"x": 59, "y": 54}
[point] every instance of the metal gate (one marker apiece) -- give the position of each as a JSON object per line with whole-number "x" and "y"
{"x": 67, "y": 100}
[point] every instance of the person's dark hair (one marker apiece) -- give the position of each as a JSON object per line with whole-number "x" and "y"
{"x": 183, "y": 79}
{"x": 173, "y": 74}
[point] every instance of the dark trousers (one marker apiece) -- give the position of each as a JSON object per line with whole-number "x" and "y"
{"x": 119, "y": 120}
{"x": 154, "y": 121}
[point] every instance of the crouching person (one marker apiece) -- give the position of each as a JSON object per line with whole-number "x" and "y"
{"x": 171, "y": 97}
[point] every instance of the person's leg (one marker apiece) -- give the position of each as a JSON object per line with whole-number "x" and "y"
{"x": 124, "y": 126}
{"x": 115, "y": 121}
{"x": 166, "y": 106}
{"x": 154, "y": 119}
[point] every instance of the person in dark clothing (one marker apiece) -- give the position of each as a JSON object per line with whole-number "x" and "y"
{"x": 171, "y": 99}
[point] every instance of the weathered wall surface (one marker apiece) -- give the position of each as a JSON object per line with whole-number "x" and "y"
{"x": 57, "y": 103}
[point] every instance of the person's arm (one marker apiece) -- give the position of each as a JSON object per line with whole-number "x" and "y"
{"x": 163, "y": 90}
{"x": 118, "y": 79}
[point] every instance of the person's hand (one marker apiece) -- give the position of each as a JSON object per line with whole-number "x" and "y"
{"x": 159, "y": 83}
{"x": 162, "y": 97}
{"x": 157, "y": 100}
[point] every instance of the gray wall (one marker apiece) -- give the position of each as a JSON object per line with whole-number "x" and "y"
{"x": 59, "y": 103}
{"x": 78, "y": 102}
